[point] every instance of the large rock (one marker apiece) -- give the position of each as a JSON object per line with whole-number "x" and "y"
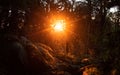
{"x": 19, "y": 56}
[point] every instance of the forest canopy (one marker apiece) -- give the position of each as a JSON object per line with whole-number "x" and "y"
{"x": 92, "y": 27}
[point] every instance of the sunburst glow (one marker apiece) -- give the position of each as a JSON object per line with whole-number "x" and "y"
{"x": 59, "y": 25}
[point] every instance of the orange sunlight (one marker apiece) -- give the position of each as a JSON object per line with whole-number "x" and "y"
{"x": 59, "y": 26}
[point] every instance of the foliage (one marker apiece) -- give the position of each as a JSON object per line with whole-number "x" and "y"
{"x": 93, "y": 32}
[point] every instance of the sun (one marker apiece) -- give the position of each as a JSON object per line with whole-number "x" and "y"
{"x": 59, "y": 26}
